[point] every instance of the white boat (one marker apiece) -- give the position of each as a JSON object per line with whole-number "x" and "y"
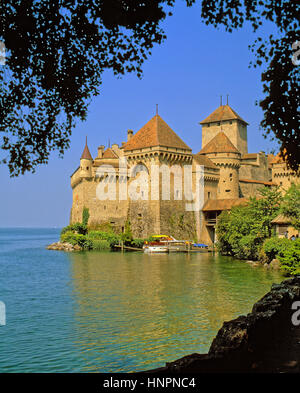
{"x": 158, "y": 248}
{"x": 159, "y": 244}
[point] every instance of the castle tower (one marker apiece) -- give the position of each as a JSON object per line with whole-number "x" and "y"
{"x": 86, "y": 162}
{"x": 225, "y": 119}
{"x": 228, "y": 159}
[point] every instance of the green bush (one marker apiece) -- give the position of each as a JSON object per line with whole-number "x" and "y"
{"x": 76, "y": 239}
{"x": 97, "y": 244}
{"x": 138, "y": 243}
{"x": 290, "y": 257}
{"x": 110, "y": 237}
{"x": 75, "y": 228}
{"x": 274, "y": 246}
{"x": 242, "y": 231}
{"x": 286, "y": 251}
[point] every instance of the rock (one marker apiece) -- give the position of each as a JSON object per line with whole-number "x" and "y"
{"x": 59, "y": 246}
{"x": 275, "y": 264}
{"x": 77, "y": 248}
{"x": 253, "y": 263}
{"x": 263, "y": 341}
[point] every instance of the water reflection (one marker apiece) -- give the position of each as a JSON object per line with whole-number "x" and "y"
{"x": 135, "y": 311}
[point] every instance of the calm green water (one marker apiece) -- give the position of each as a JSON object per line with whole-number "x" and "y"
{"x": 111, "y": 312}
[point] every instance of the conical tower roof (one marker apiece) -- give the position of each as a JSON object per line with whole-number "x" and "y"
{"x": 155, "y": 133}
{"x": 224, "y": 112}
{"x": 219, "y": 144}
{"x": 86, "y": 155}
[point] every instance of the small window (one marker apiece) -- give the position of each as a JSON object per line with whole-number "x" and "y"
{"x": 140, "y": 215}
{"x": 208, "y": 195}
{"x": 104, "y": 207}
{"x": 208, "y": 125}
{"x": 218, "y": 124}
{"x": 230, "y": 122}
{"x": 227, "y": 190}
{"x": 87, "y": 168}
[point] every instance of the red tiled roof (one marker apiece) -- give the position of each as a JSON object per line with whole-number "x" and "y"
{"x": 223, "y": 204}
{"x": 270, "y": 158}
{"x": 224, "y": 112}
{"x": 86, "y": 155}
{"x": 155, "y": 133}
{"x": 266, "y": 183}
{"x": 109, "y": 153}
{"x": 205, "y": 161}
{"x": 219, "y": 144}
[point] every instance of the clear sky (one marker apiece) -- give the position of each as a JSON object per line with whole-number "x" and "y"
{"x": 185, "y": 76}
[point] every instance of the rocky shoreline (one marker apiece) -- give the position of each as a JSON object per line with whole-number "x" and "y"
{"x": 60, "y": 246}
{"x": 265, "y": 340}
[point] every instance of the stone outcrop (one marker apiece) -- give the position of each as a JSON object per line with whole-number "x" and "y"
{"x": 265, "y": 340}
{"x": 59, "y": 246}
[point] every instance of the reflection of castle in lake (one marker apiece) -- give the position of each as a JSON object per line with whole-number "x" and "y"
{"x": 231, "y": 175}
{"x": 132, "y": 310}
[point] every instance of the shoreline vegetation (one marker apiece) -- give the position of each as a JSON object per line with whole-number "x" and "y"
{"x": 245, "y": 233}
{"x": 81, "y": 237}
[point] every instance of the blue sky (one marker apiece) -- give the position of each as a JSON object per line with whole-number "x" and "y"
{"x": 185, "y": 76}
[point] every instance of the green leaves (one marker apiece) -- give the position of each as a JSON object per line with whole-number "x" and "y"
{"x": 57, "y": 52}
{"x": 291, "y": 205}
{"x": 286, "y": 251}
{"x": 242, "y": 231}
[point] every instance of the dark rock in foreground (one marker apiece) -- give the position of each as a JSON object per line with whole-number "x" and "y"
{"x": 265, "y": 340}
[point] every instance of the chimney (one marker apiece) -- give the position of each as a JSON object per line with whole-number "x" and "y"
{"x": 129, "y": 135}
{"x": 100, "y": 151}
{"x": 115, "y": 147}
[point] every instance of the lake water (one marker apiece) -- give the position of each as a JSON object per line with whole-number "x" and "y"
{"x": 114, "y": 312}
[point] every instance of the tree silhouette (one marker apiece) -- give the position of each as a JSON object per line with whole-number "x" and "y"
{"x": 58, "y": 50}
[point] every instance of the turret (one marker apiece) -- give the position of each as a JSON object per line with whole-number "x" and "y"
{"x": 86, "y": 162}
{"x": 228, "y": 159}
{"x": 225, "y": 119}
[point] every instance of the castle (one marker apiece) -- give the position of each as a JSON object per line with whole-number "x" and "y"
{"x": 230, "y": 175}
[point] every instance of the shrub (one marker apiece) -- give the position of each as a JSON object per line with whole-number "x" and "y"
{"x": 138, "y": 243}
{"x": 291, "y": 205}
{"x": 286, "y": 251}
{"x": 290, "y": 257}
{"x": 111, "y": 238}
{"x": 98, "y": 244}
{"x": 76, "y": 239}
{"x": 273, "y": 246}
{"x": 242, "y": 231}
{"x": 75, "y": 228}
